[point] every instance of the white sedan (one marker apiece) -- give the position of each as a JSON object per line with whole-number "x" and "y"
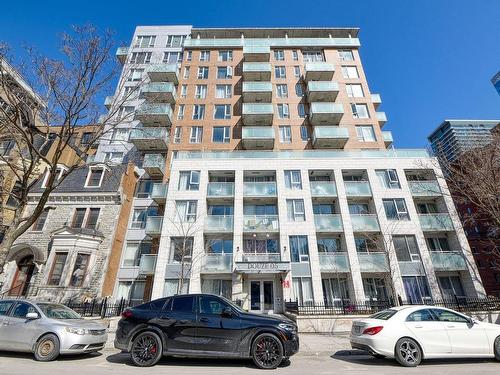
{"x": 412, "y": 333}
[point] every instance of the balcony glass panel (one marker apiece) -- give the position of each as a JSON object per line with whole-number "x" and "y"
{"x": 257, "y": 132}
{"x": 147, "y": 264}
{"x": 328, "y": 223}
{"x": 373, "y": 262}
{"x": 154, "y": 224}
{"x": 256, "y": 67}
{"x": 334, "y": 262}
{"x": 325, "y": 108}
{"x": 154, "y": 109}
{"x": 387, "y": 135}
{"x": 322, "y": 86}
{"x": 159, "y": 87}
{"x": 259, "y": 189}
{"x": 381, "y": 116}
{"x": 269, "y": 257}
{"x": 159, "y": 190}
{"x": 357, "y": 189}
{"x": 218, "y": 223}
{"x": 319, "y": 67}
{"x": 448, "y": 261}
{"x": 424, "y": 188}
{"x": 364, "y": 223}
{"x": 323, "y": 188}
{"x": 257, "y": 109}
{"x": 272, "y": 42}
{"x": 218, "y": 263}
{"x": 149, "y": 133}
{"x": 220, "y": 189}
{"x": 330, "y": 132}
{"x": 435, "y": 222}
{"x": 257, "y": 87}
{"x": 154, "y": 161}
{"x": 260, "y": 223}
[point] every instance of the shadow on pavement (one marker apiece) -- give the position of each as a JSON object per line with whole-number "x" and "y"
{"x": 61, "y": 358}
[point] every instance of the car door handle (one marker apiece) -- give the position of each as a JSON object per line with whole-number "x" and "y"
{"x": 204, "y": 320}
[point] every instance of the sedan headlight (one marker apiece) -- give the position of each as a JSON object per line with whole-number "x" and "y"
{"x": 288, "y": 327}
{"x": 77, "y": 331}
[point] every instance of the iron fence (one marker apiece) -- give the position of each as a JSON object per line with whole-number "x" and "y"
{"x": 101, "y": 308}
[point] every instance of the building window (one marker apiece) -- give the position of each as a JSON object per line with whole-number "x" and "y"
{"x": 177, "y": 134}
{"x": 172, "y": 57}
{"x": 224, "y": 72}
{"x": 186, "y": 211}
{"x": 173, "y": 287}
{"x": 279, "y": 55}
{"x": 184, "y": 91}
{"x": 220, "y": 246}
{"x": 346, "y": 55}
{"x": 132, "y": 291}
{"x": 59, "y": 173}
{"x": 203, "y": 72}
{"x": 451, "y": 287}
{"x": 94, "y": 177}
{"x": 180, "y": 112}
{"x": 124, "y": 113}
{"x": 359, "y": 111}
{"x": 133, "y": 253}
{"x": 388, "y": 178}
{"x": 295, "y": 55}
{"x": 221, "y": 134}
{"x": 218, "y": 287}
{"x": 140, "y": 58}
{"x": 279, "y": 72}
{"x": 186, "y": 72}
{"x": 87, "y": 138}
{"x": 281, "y": 90}
{"x": 285, "y": 134}
{"x": 189, "y": 55}
{"x": 350, "y": 72}
{"x": 301, "y": 110}
{"x": 222, "y": 111}
{"x": 204, "y": 56}
{"x": 113, "y": 157}
{"x": 196, "y": 135}
{"x": 328, "y": 245}
{"x": 283, "y": 111}
{"x": 406, "y": 248}
{"x": 440, "y": 244}
{"x": 299, "y": 91}
{"x": 201, "y": 92}
{"x": 198, "y": 111}
{"x": 335, "y": 291}
{"x": 365, "y": 133}
{"x": 296, "y": 71}
{"x": 145, "y": 41}
{"x": 119, "y": 135}
{"x": 85, "y": 218}
{"x": 143, "y": 188}
{"x": 293, "y": 180}
{"x": 366, "y": 245}
{"x": 140, "y": 215}
{"x": 189, "y": 180}
{"x": 79, "y": 270}
{"x": 313, "y": 56}
{"x": 175, "y": 40}
{"x": 135, "y": 75}
{"x": 299, "y": 249}
{"x": 395, "y": 209}
{"x": 295, "y": 210}
{"x": 56, "y": 272}
{"x": 40, "y": 221}
{"x": 354, "y": 90}
{"x": 223, "y": 91}
{"x": 302, "y": 290}
{"x": 375, "y": 289}
{"x": 226, "y": 55}
{"x": 304, "y": 133}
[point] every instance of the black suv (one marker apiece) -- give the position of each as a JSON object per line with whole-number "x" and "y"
{"x": 204, "y": 325}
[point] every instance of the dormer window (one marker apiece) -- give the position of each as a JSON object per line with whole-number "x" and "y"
{"x": 60, "y": 170}
{"x": 94, "y": 177}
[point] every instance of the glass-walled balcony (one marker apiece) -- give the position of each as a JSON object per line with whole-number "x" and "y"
{"x": 260, "y": 223}
{"x": 319, "y": 71}
{"x": 373, "y": 262}
{"x": 448, "y": 261}
{"x": 257, "y": 113}
{"x": 150, "y": 139}
{"x": 217, "y": 263}
{"x": 256, "y": 53}
{"x": 153, "y": 226}
{"x": 337, "y": 262}
{"x": 364, "y": 223}
{"x": 377, "y": 100}
{"x": 159, "y": 192}
{"x": 257, "y": 137}
{"x": 220, "y": 189}
{"x": 358, "y": 189}
{"x": 381, "y": 117}
{"x": 328, "y": 223}
{"x": 219, "y": 223}
{"x": 256, "y": 92}
{"x": 154, "y": 164}
{"x": 163, "y": 73}
{"x": 147, "y": 264}
{"x": 255, "y": 71}
{"x": 387, "y": 135}
{"x": 159, "y": 92}
{"x": 436, "y": 222}
{"x": 259, "y": 189}
{"x": 121, "y": 54}
{"x": 330, "y": 137}
{"x": 154, "y": 114}
{"x": 263, "y": 257}
{"x": 323, "y": 188}
{"x": 322, "y": 91}
{"x": 424, "y": 188}
{"x": 325, "y": 113}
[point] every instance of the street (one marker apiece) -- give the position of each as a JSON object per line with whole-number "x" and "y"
{"x": 320, "y": 354}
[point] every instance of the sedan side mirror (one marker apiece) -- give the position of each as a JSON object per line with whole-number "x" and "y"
{"x": 32, "y": 316}
{"x": 227, "y": 313}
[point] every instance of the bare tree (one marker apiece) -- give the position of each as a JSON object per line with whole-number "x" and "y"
{"x": 66, "y": 92}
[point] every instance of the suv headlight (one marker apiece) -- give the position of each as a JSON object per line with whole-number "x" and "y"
{"x": 77, "y": 331}
{"x": 288, "y": 327}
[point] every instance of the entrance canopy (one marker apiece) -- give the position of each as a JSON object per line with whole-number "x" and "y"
{"x": 22, "y": 250}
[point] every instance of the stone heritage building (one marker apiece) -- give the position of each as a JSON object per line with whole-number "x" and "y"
{"x": 266, "y": 175}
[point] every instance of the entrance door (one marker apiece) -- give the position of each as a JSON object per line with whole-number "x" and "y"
{"x": 262, "y": 296}
{"x": 22, "y": 278}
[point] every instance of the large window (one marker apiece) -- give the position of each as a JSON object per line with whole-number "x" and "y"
{"x": 354, "y": 90}
{"x": 85, "y": 218}
{"x": 416, "y": 289}
{"x": 186, "y": 210}
{"x": 175, "y": 40}
{"x": 279, "y": 72}
{"x": 346, "y": 55}
{"x": 131, "y": 290}
{"x": 328, "y": 245}
{"x": 285, "y": 132}
{"x": 139, "y": 216}
{"x": 172, "y": 57}
{"x": 133, "y": 253}
{"x": 282, "y": 90}
{"x": 181, "y": 249}
{"x": 189, "y": 180}
{"x": 360, "y": 111}
{"x": 223, "y": 91}
{"x": 395, "y": 209}
{"x": 295, "y": 210}
{"x": 283, "y": 111}
{"x": 201, "y": 92}
{"x": 173, "y": 287}
{"x": 406, "y": 248}
{"x": 145, "y": 41}
{"x": 365, "y": 133}
{"x": 79, "y": 270}
{"x": 279, "y": 55}
{"x": 204, "y": 55}
{"x": 196, "y": 134}
{"x": 198, "y": 111}
{"x": 57, "y": 269}
{"x": 302, "y": 289}
{"x": 451, "y": 287}
{"x": 388, "y": 178}
{"x": 140, "y": 58}
{"x": 350, "y": 72}
{"x": 438, "y": 244}
{"x": 299, "y": 249}
{"x": 313, "y": 56}
{"x": 221, "y": 134}
{"x": 293, "y": 180}
{"x": 203, "y": 72}
{"x": 375, "y": 289}
{"x": 335, "y": 291}
{"x": 216, "y": 286}
{"x": 143, "y": 189}
{"x": 219, "y": 246}
{"x": 222, "y": 111}
{"x": 224, "y": 72}
{"x": 225, "y": 55}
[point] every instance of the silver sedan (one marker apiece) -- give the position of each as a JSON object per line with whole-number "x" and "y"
{"x": 47, "y": 329}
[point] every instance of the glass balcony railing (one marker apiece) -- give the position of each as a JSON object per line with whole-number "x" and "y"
{"x": 323, "y": 188}
{"x": 121, "y": 54}
{"x": 387, "y": 135}
{"x": 325, "y": 113}
{"x": 154, "y": 164}
{"x": 153, "y": 225}
{"x": 365, "y": 223}
{"x": 220, "y": 189}
{"x": 149, "y": 134}
{"x": 159, "y": 92}
{"x": 424, "y": 188}
{"x": 381, "y": 117}
{"x": 257, "y": 87}
{"x": 330, "y": 136}
{"x": 219, "y": 223}
{"x": 436, "y": 222}
{"x": 328, "y": 223}
{"x": 272, "y": 42}
{"x": 264, "y": 257}
{"x": 322, "y": 90}
{"x": 147, "y": 264}
{"x": 257, "y": 133}
{"x": 162, "y": 73}
{"x": 358, "y": 189}
{"x": 337, "y": 262}
{"x": 260, "y": 223}
{"x": 154, "y": 114}
{"x": 259, "y": 189}
{"x": 256, "y": 53}
{"x": 257, "y": 109}
{"x": 373, "y": 262}
{"x": 256, "y": 67}
{"x": 448, "y": 261}
{"x": 376, "y": 99}
{"x": 108, "y": 102}
{"x": 217, "y": 263}
{"x": 159, "y": 192}
{"x": 319, "y": 71}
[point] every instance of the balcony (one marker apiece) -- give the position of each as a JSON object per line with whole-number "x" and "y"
{"x": 260, "y": 223}
{"x": 357, "y": 189}
{"x": 424, "y": 188}
{"x": 257, "y": 138}
{"x": 256, "y": 53}
{"x": 266, "y": 257}
{"x": 377, "y": 100}
{"x": 218, "y": 223}
{"x": 411, "y": 268}
{"x": 323, "y": 188}
{"x": 159, "y": 192}
{"x": 364, "y": 223}
{"x": 150, "y": 139}
{"x": 153, "y": 226}
{"x": 108, "y": 102}
{"x": 322, "y": 91}
{"x": 319, "y": 71}
{"x": 154, "y": 115}
{"x": 330, "y": 137}
{"x": 381, "y": 118}
{"x": 154, "y": 164}
{"x": 256, "y": 92}
{"x": 217, "y": 263}
{"x": 325, "y": 113}
{"x": 328, "y": 223}
{"x": 257, "y": 114}
{"x": 259, "y": 189}
{"x": 448, "y": 261}
{"x": 121, "y": 54}
{"x": 163, "y": 73}
{"x": 256, "y": 71}
{"x": 220, "y": 189}
{"x": 159, "y": 92}
{"x": 439, "y": 222}
{"x": 334, "y": 262}
{"x": 147, "y": 264}
{"x": 373, "y": 262}
{"x": 387, "y": 138}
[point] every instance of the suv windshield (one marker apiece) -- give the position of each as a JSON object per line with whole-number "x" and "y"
{"x": 384, "y": 315}
{"x": 56, "y": 311}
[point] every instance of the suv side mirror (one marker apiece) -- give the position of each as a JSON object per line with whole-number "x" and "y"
{"x": 32, "y": 316}
{"x": 227, "y": 313}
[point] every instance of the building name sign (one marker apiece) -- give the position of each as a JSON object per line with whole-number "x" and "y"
{"x": 262, "y": 267}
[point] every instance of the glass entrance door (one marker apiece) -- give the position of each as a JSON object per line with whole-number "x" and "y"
{"x": 262, "y": 296}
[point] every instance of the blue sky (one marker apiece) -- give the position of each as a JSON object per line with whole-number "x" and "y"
{"x": 429, "y": 59}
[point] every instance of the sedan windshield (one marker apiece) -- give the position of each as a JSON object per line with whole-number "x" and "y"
{"x": 384, "y": 315}
{"x": 56, "y": 311}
